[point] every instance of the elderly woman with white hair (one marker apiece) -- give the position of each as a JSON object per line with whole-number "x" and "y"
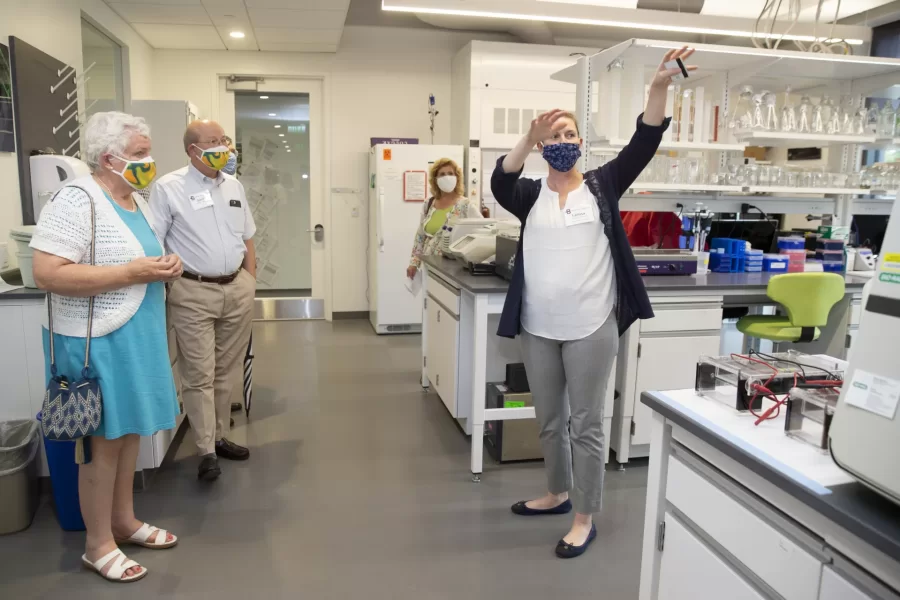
{"x": 105, "y": 270}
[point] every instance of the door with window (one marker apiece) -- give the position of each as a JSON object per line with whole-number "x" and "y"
{"x": 277, "y": 131}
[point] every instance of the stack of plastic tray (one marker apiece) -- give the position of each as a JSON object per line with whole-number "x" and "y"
{"x": 831, "y": 253}
{"x": 753, "y": 261}
{"x": 776, "y": 263}
{"x": 727, "y": 255}
{"x": 795, "y": 250}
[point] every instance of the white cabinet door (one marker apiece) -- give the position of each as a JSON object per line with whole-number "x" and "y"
{"x": 442, "y": 353}
{"x": 433, "y": 358}
{"x": 16, "y": 400}
{"x": 835, "y": 587}
{"x": 690, "y": 570}
{"x": 666, "y": 363}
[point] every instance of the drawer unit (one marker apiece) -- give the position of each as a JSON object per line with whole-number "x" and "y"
{"x": 764, "y": 550}
{"x": 683, "y": 318}
{"x": 691, "y": 570}
{"x": 445, "y": 296}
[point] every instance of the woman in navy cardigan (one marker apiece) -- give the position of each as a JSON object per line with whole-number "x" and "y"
{"x": 575, "y": 290}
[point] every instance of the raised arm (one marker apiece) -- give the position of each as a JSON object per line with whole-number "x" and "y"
{"x": 633, "y": 158}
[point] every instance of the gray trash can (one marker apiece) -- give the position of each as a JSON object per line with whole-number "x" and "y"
{"x": 19, "y": 488}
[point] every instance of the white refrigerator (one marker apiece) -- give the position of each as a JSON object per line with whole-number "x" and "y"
{"x": 398, "y": 187}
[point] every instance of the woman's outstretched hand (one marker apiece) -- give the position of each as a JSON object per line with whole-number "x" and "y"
{"x": 663, "y": 77}
{"x": 545, "y": 125}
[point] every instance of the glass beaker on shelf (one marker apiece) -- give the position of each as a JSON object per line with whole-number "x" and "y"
{"x": 790, "y": 177}
{"x": 742, "y": 115}
{"x": 872, "y": 118}
{"x": 788, "y": 113}
{"x": 833, "y": 124}
{"x": 886, "y": 120}
{"x": 759, "y": 118}
{"x": 820, "y": 117}
{"x": 838, "y": 180}
{"x": 804, "y": 115}
{"x": 820, "y": 179}
{"x": 770, "y": 100}
{"x": 805, "y": 179}
{"x": 859, "y": 117}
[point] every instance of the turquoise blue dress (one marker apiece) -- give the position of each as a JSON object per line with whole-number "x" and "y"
{"x": 132, "y": 362}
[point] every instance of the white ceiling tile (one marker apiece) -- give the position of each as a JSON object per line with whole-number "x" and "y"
{"x": 155, "y": 13}
{"x": 297, "y": 47}
{"x": 148, "y": 2}
{"x": 300, "y": 4}
{"x": 307, "y": 19}
{"x": 281, "y": 35}
{"x": 180, "y": 37}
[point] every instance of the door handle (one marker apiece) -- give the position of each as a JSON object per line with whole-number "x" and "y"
{"x": 318, "y": 232}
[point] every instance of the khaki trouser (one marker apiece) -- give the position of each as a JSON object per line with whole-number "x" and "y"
{"x": 212, "y": 327}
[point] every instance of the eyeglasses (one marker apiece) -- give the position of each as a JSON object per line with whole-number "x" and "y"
{"x": 224, "y": 141}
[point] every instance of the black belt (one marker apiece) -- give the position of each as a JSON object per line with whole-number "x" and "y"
{"x": 223, "y": 280}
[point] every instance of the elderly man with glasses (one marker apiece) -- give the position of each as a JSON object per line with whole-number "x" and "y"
{"x": 201, "y": 214}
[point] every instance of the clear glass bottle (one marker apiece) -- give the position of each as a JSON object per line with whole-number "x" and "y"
{"x": 742, "y": 115}
{"x": 821, "y": 115}
{"x": 886, "y": 120}
{"x": 788, "y": 113}
{"x": 804, "y": 115}
{"x": 759, "y": 117}
{"x": 770, "y": 100}
{"x": 688, "y": 128}
{"x": 833, "y": 124}
{"x": 859, "y": 121}
{"x": 872, "y": 118}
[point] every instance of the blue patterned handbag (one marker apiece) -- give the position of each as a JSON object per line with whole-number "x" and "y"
{"x": 72, "y": 410}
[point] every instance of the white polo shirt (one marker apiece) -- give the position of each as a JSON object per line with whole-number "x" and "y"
{"x": 204, "y": 221}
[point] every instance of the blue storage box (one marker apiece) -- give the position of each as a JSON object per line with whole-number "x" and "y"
{"x": 823, "y": 244}
{"x": 775, "y": 262}
{"x": 832, "y": 266}
{"x": 791, "y": 243}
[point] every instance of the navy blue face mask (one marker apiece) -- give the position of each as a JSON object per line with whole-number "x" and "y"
{"x": 563, "y": 156}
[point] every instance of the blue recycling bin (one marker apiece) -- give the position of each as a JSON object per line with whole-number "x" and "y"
{"x": 64, "y": 481}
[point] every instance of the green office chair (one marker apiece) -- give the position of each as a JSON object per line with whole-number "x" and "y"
{"x": 806, "y": 297}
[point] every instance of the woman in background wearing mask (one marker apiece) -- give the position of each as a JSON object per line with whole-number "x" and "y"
{"x": 128, "y": 349}
{"x": 231, "y": 166}
{"x": 447, "y": 204}
{"x": 575, "y": 290}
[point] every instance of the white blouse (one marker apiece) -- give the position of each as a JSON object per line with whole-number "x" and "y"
{"x": 64, "y": 229}
{"x": 570, "y": 279}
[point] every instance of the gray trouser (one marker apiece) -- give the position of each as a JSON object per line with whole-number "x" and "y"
{"x": 572, "y": 445}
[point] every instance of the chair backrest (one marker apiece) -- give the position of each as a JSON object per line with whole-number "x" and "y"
{"x": 807, "y": 297}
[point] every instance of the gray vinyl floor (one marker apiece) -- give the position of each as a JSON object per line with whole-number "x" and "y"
{"x": 358, "y": 487}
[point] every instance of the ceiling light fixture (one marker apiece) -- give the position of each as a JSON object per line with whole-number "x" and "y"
{"x": 272, "y": 114}
{"x": 278, "y": 127}
{"x": 605, "y": 23}
{"x": 237, "y": 35}
{"x": 280, "y": 135}
{"x": 263, "y": 97}
{"x": 305, "y": 176}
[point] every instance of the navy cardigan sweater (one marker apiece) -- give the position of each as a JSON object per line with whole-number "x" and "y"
{"x": 607, "y": 184}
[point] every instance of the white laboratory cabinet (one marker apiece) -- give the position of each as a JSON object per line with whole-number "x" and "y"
{"x": 660, "y": 353}
{"x": 22, "y": 371}
{"x": 442, "y": 359}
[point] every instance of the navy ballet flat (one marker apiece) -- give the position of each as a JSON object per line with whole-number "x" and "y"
{"x": 521, "y": 509}
{"x": 564, "y": 550}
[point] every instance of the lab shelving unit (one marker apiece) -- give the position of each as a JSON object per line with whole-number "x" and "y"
{"x": 611, "y": 88}
{"x": 611, "y": 92}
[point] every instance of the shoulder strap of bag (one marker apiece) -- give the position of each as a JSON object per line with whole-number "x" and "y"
{"x": 428, "y": 206}
{"x": 87, "y": 343}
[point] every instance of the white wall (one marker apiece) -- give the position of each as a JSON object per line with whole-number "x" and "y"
{"x": 378, "y": 85}
{"x": 54, "y": 26}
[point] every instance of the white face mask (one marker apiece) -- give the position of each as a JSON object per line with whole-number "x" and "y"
{"x": 447, "y": 183}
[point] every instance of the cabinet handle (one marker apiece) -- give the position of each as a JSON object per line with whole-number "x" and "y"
{"x": 439, "y": 316}
{"x": 438, "y": 382}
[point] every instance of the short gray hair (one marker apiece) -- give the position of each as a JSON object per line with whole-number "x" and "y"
{"x": 109, "y": 132}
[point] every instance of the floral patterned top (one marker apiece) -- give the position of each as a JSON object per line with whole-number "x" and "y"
{"x": 438, "y": 244}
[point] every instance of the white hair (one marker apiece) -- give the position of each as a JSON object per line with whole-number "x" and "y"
{"x": 109, "y": 132}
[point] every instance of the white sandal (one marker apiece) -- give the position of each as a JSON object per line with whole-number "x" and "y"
{"x": 144, "y": 533}
{"x": 119, "y": 563}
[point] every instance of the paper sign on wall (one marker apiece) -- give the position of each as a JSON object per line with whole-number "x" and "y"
{"x": 874, "y": 393}
{"x": 415, "y": 186}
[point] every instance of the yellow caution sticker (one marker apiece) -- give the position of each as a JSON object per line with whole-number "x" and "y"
{"x": 891, "y": 262}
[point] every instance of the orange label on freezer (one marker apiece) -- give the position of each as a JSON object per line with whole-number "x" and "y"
{"x": 386, "y": 154}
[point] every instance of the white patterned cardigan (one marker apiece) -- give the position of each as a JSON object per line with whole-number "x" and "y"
{"x": 64, "y": 230}
{"x": 438, "y": 244}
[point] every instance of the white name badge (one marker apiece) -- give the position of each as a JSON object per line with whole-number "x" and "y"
{"x": 578, "y": 215}
{"x": 201, "y": 200}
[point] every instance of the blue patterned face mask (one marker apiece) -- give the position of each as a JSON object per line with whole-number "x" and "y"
{"x": 563, "y": 156}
